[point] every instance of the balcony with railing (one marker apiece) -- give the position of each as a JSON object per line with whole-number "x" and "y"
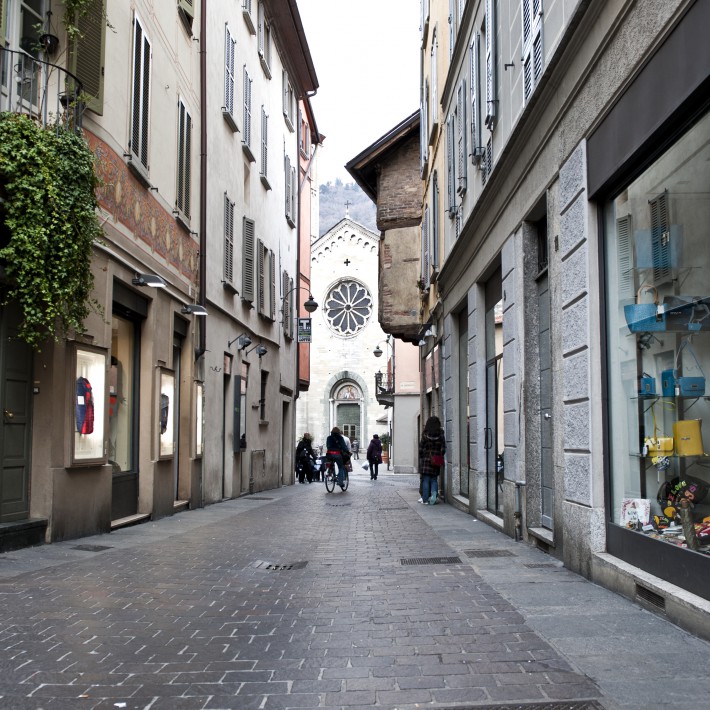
{"x": 384, "y": 388}
{"x": 47, "y": 93}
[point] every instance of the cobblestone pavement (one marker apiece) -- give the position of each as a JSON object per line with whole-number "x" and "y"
{"x": 296, "y": 598}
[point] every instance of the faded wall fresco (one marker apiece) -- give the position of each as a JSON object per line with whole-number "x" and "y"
{"x": 134, "y": 207}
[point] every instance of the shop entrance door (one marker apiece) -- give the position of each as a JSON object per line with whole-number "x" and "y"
{"x": 15, "y": 396}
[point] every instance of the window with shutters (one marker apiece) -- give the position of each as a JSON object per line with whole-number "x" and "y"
{"x": 424, "y": 23}
{"x": 264, "y": 40}
{"x": 424, "y": 274}
{"x": 424, "y": 127}
{"x": 486, "y": 164}
{"x": 266, "y": 281}
{"x": 491, "y": 27}
{"x": 456, "y": 8}
{"x": 434, "y": 103}
{"x": 262, "y": 396}
{"x": 451, "y": 167}
{"x": 474, "y": 51}
{"x": 246, "y": 120}
{"x": 140, "y": 100}
{"x": 184, "y": 161}
{"x": 289, "y": 102}
{"x": 461, "y": 133}
{"x": 434, "y": 252}
{"x": 290, "y": 191}
{"x": 288, "y": 298}
{"x": 86, "y": 54}
{"x": 228, "y": 276}
{"x": 248, "y": 256}
{"x": 229, "y": 50}
{"x": 264, "y": 167}
{"x": 186, "y": 11}
{"x": 532, "y": 45}
{"x": 248, "y": 16}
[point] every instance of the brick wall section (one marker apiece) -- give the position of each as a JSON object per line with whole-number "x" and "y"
{"x": 399, "y": 188}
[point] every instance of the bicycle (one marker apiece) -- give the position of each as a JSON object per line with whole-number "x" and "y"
{"x": 330, "y": 476}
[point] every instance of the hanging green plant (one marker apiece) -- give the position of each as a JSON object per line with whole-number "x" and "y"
{"x": 47, "y": 186}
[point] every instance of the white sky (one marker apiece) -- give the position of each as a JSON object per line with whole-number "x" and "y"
{"x": 366, "y": 56}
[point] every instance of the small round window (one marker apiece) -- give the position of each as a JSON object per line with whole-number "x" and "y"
{"x": 348, "y": 307}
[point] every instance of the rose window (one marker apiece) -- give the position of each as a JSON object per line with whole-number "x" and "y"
{"x": 348, "y": 307}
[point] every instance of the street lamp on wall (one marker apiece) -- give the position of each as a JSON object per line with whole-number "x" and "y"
{"x": 384, "y": 384}
{"x": 244, "y": 341}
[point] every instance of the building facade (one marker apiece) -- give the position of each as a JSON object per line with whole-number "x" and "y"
{"x": 195, "y": 125}
{"x": 558, "y": 193}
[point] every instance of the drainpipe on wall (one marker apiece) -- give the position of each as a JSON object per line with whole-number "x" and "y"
{"x": 202, "y": 274}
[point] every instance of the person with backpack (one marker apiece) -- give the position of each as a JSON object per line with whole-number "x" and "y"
{"x": 432, "y": 447}
{"x": 374, "y": 456}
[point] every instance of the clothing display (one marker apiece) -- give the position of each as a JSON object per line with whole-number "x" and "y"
{"x": 84, "y": 406}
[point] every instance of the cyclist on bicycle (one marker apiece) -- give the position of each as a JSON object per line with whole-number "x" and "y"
{"x": 336, "y": 450}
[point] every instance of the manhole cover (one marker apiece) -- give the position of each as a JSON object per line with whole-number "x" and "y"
{"x": 91, "y": 548}
{"x": 430, "y": 561}
{"x": 489, "y": 553}
{"x": 276, "y": 567}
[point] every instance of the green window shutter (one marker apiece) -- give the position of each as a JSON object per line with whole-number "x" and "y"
{"x": 272, "y": 285}
{"x": 86, "y": 56}
{"x": 187, "y": 7}
{"x": 249, "y": 229}
{"x": 3, "y": 25}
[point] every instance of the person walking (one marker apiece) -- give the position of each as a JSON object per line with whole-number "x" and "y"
{"x": 356, "y": 448}
{"x": 305, "y": 458}
{"x": 336, "y": 450}
{"x": 432, "y": 447}
{"x": 374, "y": 456}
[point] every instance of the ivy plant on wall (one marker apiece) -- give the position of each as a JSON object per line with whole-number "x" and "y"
{"x": 47, "y": 187}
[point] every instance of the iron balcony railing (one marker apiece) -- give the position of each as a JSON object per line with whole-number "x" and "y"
{"x": 384, "y": 387}
{"x": 46, "y": 92}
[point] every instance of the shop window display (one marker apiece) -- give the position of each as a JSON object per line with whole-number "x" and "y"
{"x": 658, "y": 312}
{"x": 166, "y": 430}
{"x": 88, "y": 404}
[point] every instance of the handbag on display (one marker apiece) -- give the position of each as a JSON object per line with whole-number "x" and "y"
{"x": 672, "y": 492}
{"x": 647, "y": 385}
{"x": 688, "y": 437}
{"x": 645, "y": 317}
{"x": 688, "y": 386}
{"x": 658, "y": 445}
{"x": 687, "y": 312}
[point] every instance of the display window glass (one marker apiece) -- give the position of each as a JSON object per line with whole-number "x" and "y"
{"x": 657, "y": 258}
{"x": 89, "y": 405}
{"x": 199, "y": 413}
{"x": 166, "y": 414}
{"x": 121, "y": 388}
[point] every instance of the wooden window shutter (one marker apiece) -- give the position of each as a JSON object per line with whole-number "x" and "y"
{"x": 140, "y": 109}
{"x": 272, "y": 285}
{"x": 228, "y": 71}
{"x": 660, "y": 238}
{"x": 434, "y": 256}
{"x": 425, "y": 245}
{"x": 86, "y": 54}
{"x": 491, "y": 102}
{"x": 292, "y": 306}
{"x": 434, "y": 81}
{"x": 450, "y": 168}
{"x": 284, "y": 89}
{"x": 461, "y": 138}
{"x": 3, "y": 21}
{"x": 228, "y": 239}
{"x": 247, "y": 109}
{"x": 287, "y": 181}
{"x": 187, "y": 7}
{"x": 286, "y": 301}
{"x": 261, "y": 285}
{"x": 248, "y": 234}
{"x": 182, "y": 200}
{"x": 532, "y": 45}
{"x": 625, "y": 256}
{"x": 475, "y": 82}
{"x": 260, "y": 28}
{"x": 264, "y": 142}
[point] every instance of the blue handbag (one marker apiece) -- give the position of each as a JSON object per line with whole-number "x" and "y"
{"x": 688, "y": 386}
{"x": 645, "y": 317}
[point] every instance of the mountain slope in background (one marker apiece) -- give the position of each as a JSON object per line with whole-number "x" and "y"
{"x": 336, "y": 197}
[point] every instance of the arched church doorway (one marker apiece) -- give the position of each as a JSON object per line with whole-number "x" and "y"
{"x": 348, "y": 410}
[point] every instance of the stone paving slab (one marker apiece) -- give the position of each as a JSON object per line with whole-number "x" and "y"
{"x": 301, "y": 599}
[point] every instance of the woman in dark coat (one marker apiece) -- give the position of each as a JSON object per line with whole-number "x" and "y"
{"x": 305, "y": 458}
{"x": 374, "y": 456}
{"x": 432, "y": 444}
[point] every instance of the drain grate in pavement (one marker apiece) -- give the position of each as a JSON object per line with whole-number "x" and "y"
{"x": 489, "y": 553}
{"x": 92, "y": 548}
{"x": 273, "y": 567}
{"x": 257, "y": 498}
{"x": 551, "y": 705}
{"x": 430, "y": 561}
{"x": 397, "y": 507}
{"x": 541, "y": 565}
{"x": 338, "y": 505}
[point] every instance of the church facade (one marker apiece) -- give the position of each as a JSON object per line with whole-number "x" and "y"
{"x": 344, "y": 335}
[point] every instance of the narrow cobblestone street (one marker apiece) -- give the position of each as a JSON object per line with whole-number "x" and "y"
{"x": 296, "y": 598}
